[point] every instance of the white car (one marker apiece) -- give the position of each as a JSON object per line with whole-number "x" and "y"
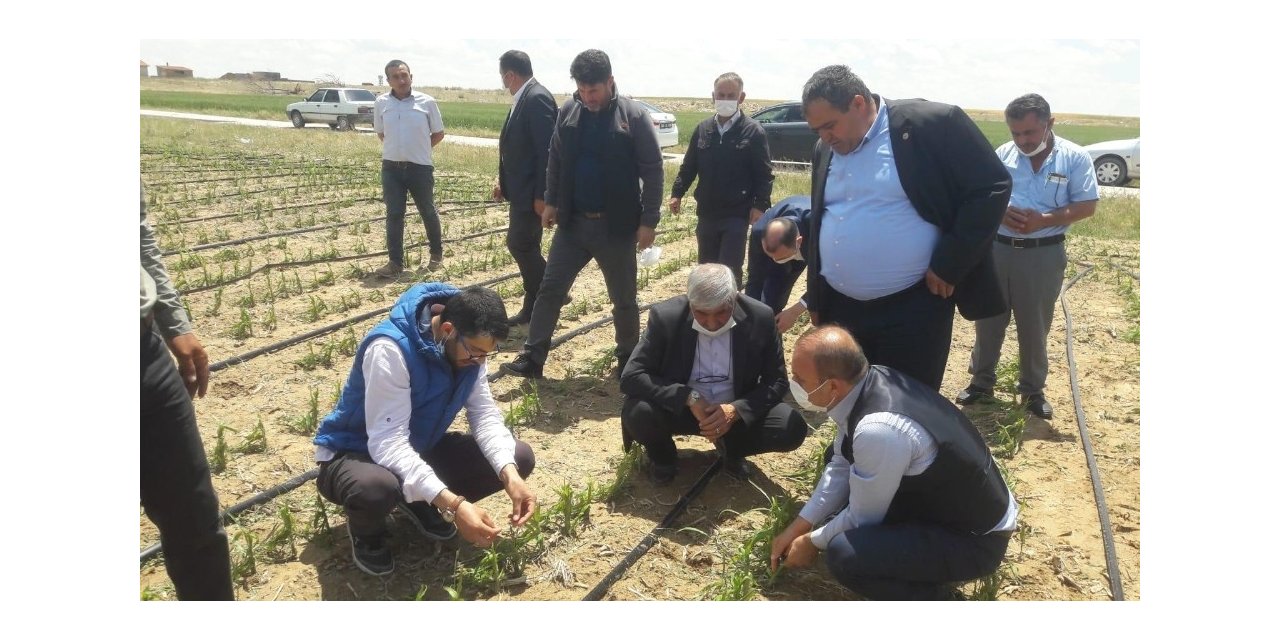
{"x": 1116, "y": 161}
{"x": 665, "y": 123}
{"x": 339, "y": 107}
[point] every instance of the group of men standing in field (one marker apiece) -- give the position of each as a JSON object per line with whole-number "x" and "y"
{"x": 911, "y": 216}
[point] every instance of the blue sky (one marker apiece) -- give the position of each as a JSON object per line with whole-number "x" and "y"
{"x": 1099, "y": 76}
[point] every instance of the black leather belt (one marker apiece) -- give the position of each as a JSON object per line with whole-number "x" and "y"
{"x": 1031, "y": 243}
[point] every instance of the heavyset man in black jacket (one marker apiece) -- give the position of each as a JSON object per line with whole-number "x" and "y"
{"x": 729, "y": 155}
{"x": 604, "y": 188}
{"x": 907, "y": 197}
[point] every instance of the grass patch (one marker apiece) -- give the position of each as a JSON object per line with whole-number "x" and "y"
{"x": 1115, "y": 219}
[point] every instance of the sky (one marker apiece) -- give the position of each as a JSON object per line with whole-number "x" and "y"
{"x": 1099, "y": 76}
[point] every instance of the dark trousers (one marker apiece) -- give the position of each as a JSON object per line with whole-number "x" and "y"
{"x": 571, "y": 249}
{"x": 399, "y": 179}
{"x": 781, "y": 429}
{"x": 723, "y": 241}
{"x": 909, "y": 330}
{"x": 177, "y": 493}
{"x": 911, "y": 561}
{"x": 768, "y": 281}
{"x": 524, "y": 240}
{"x": 369, "y": 491}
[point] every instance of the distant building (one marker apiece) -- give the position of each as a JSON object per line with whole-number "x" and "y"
{"x": 234, "y": 76}
{"x": 265, "y": 75}
{"x": 142, "y": 68}
{"x": 171, "y": 71}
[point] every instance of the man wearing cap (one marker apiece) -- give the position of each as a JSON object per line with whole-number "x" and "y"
{"x": 728, "y": 155}
{"x": 775, "y": 257}
{"x": 1053, "y": 187}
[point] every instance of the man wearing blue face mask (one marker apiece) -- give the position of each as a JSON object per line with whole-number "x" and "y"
{"x": 775, "y": 257}
{"x": 729, "y": 156}
{"x": 386, "y": 442}
{"x": 914, "y": 497}
{"x": 709, "y": 363}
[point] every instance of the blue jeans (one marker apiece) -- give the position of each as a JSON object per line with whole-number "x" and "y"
{"x": 399, "y": 179}
{"x": 911, "y": 561}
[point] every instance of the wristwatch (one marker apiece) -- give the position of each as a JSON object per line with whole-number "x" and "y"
{"x": 694, "y": 397}
{"x": 450, "y": 512}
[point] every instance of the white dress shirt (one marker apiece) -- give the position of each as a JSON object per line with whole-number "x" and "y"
{"x": 387, "y": 407}
{"x": 407, "y": 126}
{"x": 515, "y": 97}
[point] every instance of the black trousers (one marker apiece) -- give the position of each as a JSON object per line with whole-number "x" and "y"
{"x": 723, "y": 240}
{"x": 177, "y": 493}
{"x": 909, "y": 330}
{"x": 911, "y": 561}
{"x": 781, "y": 429}
{"x": 369, "y": 491}
{"x": 524, "y": 240}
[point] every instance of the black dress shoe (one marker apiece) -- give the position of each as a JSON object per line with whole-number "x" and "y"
{"x": 523, "y": 366}
{"x": 736, "y": 467}
{"x": 972, "y": 394}
{"x": 662, "y": 474}
{"x": 1038, "y": 406}
{"x": 520, "y": 318}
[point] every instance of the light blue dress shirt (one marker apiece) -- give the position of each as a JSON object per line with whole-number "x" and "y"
{"x": 1065, "y": 177}
{"x": 873, "y": 242}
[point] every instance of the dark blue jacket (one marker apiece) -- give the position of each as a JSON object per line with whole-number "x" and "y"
{"x": 768, "y": 281}
{"x": 437, "y": 393}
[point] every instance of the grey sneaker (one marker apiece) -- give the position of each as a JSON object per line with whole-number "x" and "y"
{"x": 371, "y": 553}
{"x": 389, "y": 270}
{"x": 436, "y": 262}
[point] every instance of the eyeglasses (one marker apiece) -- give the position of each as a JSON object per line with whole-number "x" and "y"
{"x": 712, "y": 379}
{"x": 471, "y": 357}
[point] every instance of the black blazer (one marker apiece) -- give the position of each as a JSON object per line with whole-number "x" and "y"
{"x": 663, "y": 359}
{"x": 955, "y": 181}
{"x": 523, "y": 145}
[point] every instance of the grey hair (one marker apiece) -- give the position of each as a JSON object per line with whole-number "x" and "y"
{"x": 711, "y": 287}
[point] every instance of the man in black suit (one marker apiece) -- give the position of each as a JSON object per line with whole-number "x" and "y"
{"x": 522, "y": 170}
{"x": 907, "y": 197}
{"x": 709, "y": 363}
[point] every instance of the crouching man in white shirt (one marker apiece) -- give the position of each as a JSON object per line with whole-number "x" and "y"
{"x": 387, "y": 444}
{"x": 917, "y": 498}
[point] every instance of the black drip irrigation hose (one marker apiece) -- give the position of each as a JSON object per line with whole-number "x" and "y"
{"x": 650, "y": 538}
{"x": 234, "y": 510}
{"x": 282, "y": 207}
{"x": 268, "y": 236}
{"x": 1099, "y": 498}
{"x": 305, "y": 263}
{"x": 330, "y": 328}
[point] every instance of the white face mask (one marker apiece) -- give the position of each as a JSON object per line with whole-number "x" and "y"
{"x": 794, "y": 256}
{"x": 718, "y": 332}
{"x": 1044, "y": 142}
{"x": 726, "y": 108}
{"x": 802, "y": 396}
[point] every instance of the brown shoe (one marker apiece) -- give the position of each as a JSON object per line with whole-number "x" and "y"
{"x": 389, "y": 270}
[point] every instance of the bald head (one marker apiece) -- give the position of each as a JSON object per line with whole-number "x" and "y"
{"x": 830, "y": 353}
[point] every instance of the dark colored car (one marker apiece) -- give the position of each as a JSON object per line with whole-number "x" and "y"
{"x": 790, "y": 137}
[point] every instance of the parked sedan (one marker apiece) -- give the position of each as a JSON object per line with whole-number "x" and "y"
{"x": 665, "y": 123}
{"x": 339, "y": 107}
{"x": 789, "y": 135}
{"x": 1116, "y": 161}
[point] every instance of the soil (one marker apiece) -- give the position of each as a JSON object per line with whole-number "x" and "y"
{"x": 1057, "y": 554}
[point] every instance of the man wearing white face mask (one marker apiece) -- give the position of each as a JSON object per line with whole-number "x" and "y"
{"x": 709, "y": 363}
{"x": 1053, "y": 187}
{"x": 917, "y": 499}
{"x": 729, "y": 155}
{"x": 775, "y": 257}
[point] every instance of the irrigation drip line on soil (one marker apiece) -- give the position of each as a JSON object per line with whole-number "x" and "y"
{"x": 304, "y": 263}
{"x": 255, "y": 176}
{"x": 282, "y": 207}
{"x": 286, "y": 188}
{"x": 268, "y": 236}
{"x": 330, "y": 328}
{"x": 1123, "y": 270}
{"x": 650, "y": 538}
{"x": 1099, "y": 498}
{"x": 229, "y": 515}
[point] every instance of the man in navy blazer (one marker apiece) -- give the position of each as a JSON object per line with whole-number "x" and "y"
{"x": 907, "y": 197}
{"x": 522, "y": 170}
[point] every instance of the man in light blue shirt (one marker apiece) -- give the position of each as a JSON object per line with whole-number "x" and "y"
{"x": 1053, "y": 187}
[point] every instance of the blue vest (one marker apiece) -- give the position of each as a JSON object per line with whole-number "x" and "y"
{"x": 436, "y": 392}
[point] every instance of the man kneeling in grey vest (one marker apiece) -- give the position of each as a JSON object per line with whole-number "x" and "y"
{"x": 919, "y": 502}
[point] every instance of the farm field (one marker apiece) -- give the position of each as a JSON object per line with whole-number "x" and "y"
{"x": 272, "y": 234}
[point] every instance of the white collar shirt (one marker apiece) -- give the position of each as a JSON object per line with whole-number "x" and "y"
{"x": 407, "y": 125}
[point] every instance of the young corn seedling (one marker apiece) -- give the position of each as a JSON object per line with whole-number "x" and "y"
{"x": 305, "y": 425}
{"x": 626, "y": 466}
{"x": 243, "y": 328}
{"x": 523, "y": 412}
{"x": 319, "y": 522}
{"x": 255, "y": 441}
{"x": 244, "y": 561}
{"x": 348, "y": 344}
{"x": 269, "y": 323}
{"x": 281, "y": 536}
{"x": 314, "y": 359}
{"x": 217, "y": 302}
{"x": 248, "y": 301}
{"x": 573, "y": 508}
{"x": 218, "y": 459}
{"x": 315, "y": 310}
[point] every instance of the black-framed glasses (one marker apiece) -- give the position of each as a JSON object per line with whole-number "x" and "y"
{"x": 712, "y": 379}
{"x": 471, "y": 357}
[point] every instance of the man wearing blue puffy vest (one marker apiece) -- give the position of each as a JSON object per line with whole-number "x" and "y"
{"x": 386, "y": 443}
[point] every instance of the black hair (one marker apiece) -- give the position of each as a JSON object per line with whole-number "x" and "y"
{"x": 517, "y": 61}
{"x": 477, "y": 311}
{"x": 837, "y": 85}
{"x": 1030, "y": 103}
{"x": 395, "y": 63}
{"x": 591, "y": 67}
